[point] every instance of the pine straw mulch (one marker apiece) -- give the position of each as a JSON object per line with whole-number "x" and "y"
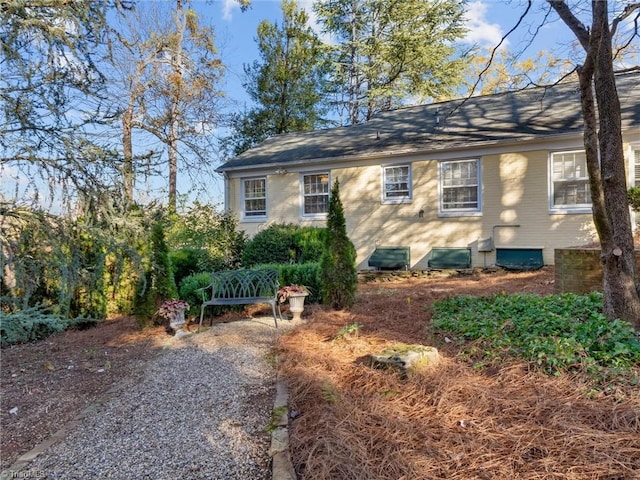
{"x": 507, "y": 421}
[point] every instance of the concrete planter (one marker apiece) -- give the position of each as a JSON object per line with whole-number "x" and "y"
{"x": 296, "y": 304}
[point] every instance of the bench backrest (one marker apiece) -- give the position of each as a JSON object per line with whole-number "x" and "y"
{"x": 245, "y": 283}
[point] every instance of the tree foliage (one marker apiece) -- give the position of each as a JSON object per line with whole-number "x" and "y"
{"x": 338, "y": 274}
{"x": 508, "y": 73}
{"x": 52, "y": 96}
{"x": 204, "y": 240}
{"x": 388, "y": 52}
{"x": 173, "y": 85}
{"x": 287, "y": 84}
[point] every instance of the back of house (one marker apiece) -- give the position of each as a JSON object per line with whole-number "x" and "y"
{"x": 497, "y": 179}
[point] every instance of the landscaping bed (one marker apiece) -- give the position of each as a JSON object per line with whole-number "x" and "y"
{"x": 465, "y": 418}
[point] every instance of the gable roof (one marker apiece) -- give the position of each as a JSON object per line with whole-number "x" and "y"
{"x": 513, "y": 117}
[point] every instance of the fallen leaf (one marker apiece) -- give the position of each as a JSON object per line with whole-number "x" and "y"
{"x": 49, "y": 366}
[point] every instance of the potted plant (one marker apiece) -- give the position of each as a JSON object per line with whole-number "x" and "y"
{"x": 173, "y": 310}
{"x": 295, "y": 294}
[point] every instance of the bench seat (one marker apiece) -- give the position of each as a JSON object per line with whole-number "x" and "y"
{"x": 242, "y": 287}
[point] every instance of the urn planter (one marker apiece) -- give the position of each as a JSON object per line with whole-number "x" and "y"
{"x": 296, "y": 304}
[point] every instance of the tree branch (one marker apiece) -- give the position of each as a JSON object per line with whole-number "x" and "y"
{"x": 581, "y": 32}
{"x": 495, "y": 49}
{"x": 626, "y": 13}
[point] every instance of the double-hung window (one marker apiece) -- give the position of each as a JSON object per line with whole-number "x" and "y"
{"x": 636, "y": 167}
{"x": 315, "y": 195}
{"x": 396, "y": 184}
{"x": 569, "y": 184}
{"x": 254, "y": 193}
{"x": 459, "y": 184}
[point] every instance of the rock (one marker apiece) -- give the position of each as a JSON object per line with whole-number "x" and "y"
{"x": 409, "y": 359}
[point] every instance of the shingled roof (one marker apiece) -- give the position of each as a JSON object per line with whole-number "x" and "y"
{"x": 507, "y": 117}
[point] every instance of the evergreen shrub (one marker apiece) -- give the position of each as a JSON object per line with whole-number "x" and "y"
{"x": 274, "y": 244}
{"x": 307, "y": 274}
{"x": 158, "y": 284}
{"x": 29, "y": 325}
{"x": 284, "y": 244}
{"x": 338, "y": 274}
{"x": 309, "y": 243}
{"x": 187, "y": 261}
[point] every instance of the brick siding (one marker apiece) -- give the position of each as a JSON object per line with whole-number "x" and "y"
{"x": 578, "y": 270}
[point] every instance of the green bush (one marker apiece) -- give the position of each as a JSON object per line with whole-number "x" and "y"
{"x": 190, "y": 290}
{"x": 186, "y": 261}
{"x": 309, "y": 243}
{"x": 557, "y": 332}
{"x": 633, "y": 194}
{"x": 274, "y": 244}
{"x": 29, "y": 325}
{"x": 307, "y": 274}
{"x": 202, "y": 227}
{"x": 158, "y": 284}
{"x": 338, "y": 274}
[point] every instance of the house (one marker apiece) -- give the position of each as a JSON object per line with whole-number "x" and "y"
{"x": 499, "y": 179}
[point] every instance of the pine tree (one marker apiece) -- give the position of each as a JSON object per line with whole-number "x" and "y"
{"x": 287, "y": 85}
{"x": 389, "y": 52}
{"x": 338, "y": 275}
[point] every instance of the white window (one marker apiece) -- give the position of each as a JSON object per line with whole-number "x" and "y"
{"x": 636, "y": 167}
{"x": 460, "y": 187}
{"x": 315, "y": 195}
{"x": 396, "y": 184}
{"x": 254, "y": 192}
{"x": 569, "y": 184}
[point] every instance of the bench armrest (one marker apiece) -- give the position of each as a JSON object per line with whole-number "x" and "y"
{"x": 203, "y": 289}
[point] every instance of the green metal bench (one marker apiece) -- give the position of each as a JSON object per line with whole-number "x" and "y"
{"x": 454, "y": 257}
{"x": 395, "y": 258}
{"x": 242, "y": 287}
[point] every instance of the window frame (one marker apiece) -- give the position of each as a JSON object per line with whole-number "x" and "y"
{"x": 408, "y": 198}
{"x": 245, "y": 216}
{"x": 460, "y": 212}
{"x": 303, "y": 195}
{"x": 567, "y": 209}
{"x": 635, "y": 166}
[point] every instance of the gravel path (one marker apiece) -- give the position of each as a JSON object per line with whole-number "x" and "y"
{"x": 200, "y": 410}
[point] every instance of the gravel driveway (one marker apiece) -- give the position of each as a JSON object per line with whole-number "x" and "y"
{"x": 200, "y": 410}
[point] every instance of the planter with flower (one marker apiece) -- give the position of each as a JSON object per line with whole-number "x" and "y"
{"x": 295, "y": 294}
{"x": 174, "y": 312}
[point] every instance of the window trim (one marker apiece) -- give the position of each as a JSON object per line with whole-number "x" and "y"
{"x": 566, "y": 209}
{"x": 253, "y": 218}
{"x": 397, "y": 200}
{"x": 635, "y": 167}
{"x": 460, "y": 212}
{"x": 314, "y": 216}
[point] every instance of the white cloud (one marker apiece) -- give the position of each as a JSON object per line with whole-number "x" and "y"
{"x": 481, "y": 31}
{"x": 228, "y": 6}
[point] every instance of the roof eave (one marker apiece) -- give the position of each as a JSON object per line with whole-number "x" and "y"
{"x": 401, "y": 152}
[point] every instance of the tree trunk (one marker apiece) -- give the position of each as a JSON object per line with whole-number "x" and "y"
{"x": 621, "y": 294}
{"x": 605, "y": 162}
{"x": 177, "y": 63}
{"x": 127, "y": 151}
